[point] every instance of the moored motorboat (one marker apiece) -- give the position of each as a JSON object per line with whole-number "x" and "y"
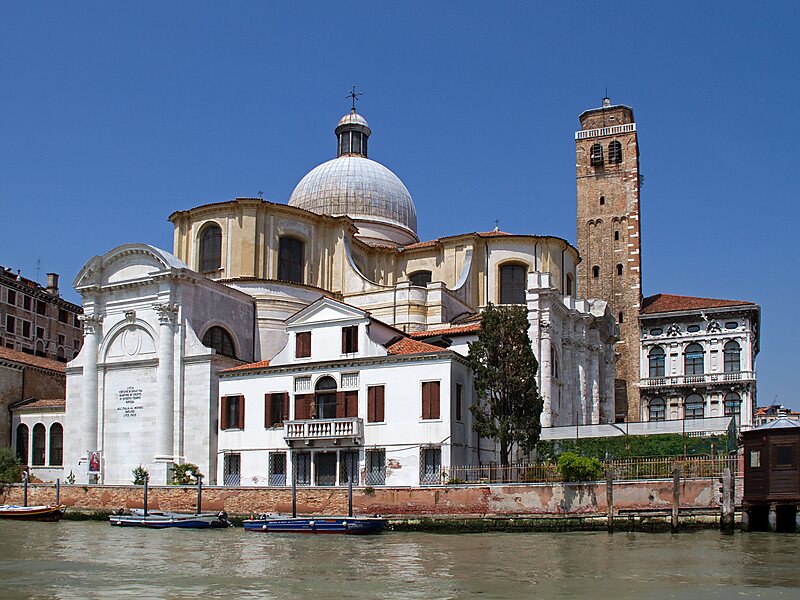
{"x": 48, "y": 512}
{"x": 325, "y": 524}
{"x": 162, "y": 520}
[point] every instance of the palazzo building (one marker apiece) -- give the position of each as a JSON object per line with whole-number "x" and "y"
{"x": 162, "y": 328}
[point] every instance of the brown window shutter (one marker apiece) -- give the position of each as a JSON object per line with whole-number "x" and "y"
{"x": 354, "y": 335}
{"x": 223, "y": 417}
{"x": 426, "y": 400}
{"x": 341, "y": 409}
{"x": 299, "y": 402}
{"x": 434, "y": 400}
{"x": 371, "y": 405}
{"x": 240, "y": 400}
{"x": 302, "y": 344}
{"x": 379, "y": 393}
{"x": 268, "y": 410}
{"x": 285, "y": 415}
{"x": 344, "y": 340}
{"x": 351, "y": 403}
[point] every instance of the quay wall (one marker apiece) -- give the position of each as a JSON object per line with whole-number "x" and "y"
{"x": 502, "y": 500}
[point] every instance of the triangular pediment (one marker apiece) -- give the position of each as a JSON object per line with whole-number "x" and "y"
{"x": 323, "y": 311}
{"x": 127, "y": 263}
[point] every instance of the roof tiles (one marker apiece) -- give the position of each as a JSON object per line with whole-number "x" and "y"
{"x": 409, "y": 346}
{"x": 29, "y": 359}
{"x": 671, "y": 303}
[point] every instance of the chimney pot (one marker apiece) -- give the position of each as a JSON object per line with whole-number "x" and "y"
{"x": 52, "y": 284}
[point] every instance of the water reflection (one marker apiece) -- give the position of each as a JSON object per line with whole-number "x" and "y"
{"x": 94, "y": 560}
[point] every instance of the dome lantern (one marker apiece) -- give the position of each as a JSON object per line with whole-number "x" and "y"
{"x": 352, "y": 134}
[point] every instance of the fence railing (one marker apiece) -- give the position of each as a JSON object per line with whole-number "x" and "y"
{"x": 630, "y": 468}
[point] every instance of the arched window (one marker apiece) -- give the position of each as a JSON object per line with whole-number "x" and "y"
{"x": 39, "y": 433}
{"x": 570, "y": 285}
{"x": 695, "y": 407}
{"x": 595, "y": 271}
{"x": 56, "y": 445}
{"x": 512, "y": 284}
{"x": 616, "y": 236}
{"x": 22, "y": 443}
{"x": 597, "y": 155}
{"x": 602, "y": 200}
{"x": 420, "y": 278}
{"x": 733, "y": 405}
{"x": 220, "y": 340}
{"x": 657, "y": 410}
{"x": 210, "y": 249}
{"x": 615, "y": 152}
{"x": 733, "y": 355}
{"x": 619, "y": 270}
{"x": 657, "y": 362}
{"x": 693, "y": 360}
{"x": 290, "y": 260}
{"x": 325, "y": 398}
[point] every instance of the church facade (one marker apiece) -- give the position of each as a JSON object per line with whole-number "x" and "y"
{"x": 163, "y": 330}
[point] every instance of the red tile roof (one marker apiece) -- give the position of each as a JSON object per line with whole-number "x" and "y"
{"x": 409, "y": 346}
{"x": 457, "y": 330}
{"x": 30, "y": 359}
{"x": 256, "y": 365}
{"x": 672, "y": 303}
{"x": 40, "y": 403}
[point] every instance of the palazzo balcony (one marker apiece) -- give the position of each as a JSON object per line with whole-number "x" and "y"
{"x": 346, "y": 431}
{"x": 692, "y": 380}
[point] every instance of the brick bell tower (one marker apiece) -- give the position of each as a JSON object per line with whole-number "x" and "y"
{"x": 609, "y": 242}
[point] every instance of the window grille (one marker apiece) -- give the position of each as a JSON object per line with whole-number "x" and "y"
{"x": 348, "y": 467}
{"x": 302, "y": 468}
{"x": 277, "y": 469}
{"x": 375, "y": 467}
{"x": 232, "y": 470}
{"x": 615, "y": 152}
{"x": 430, "y": 466}
{"x": 597, "y": 155}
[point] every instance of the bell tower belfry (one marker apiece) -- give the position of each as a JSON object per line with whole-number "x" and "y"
{"x": 608, "y": 232}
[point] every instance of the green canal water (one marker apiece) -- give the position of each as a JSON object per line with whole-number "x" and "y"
{"x": 74, "y": 559}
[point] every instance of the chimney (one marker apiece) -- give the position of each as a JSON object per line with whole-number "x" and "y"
{"x": 52, "y": 284}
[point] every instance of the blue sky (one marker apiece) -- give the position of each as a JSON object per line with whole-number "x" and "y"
{"x": 116, "y": 114}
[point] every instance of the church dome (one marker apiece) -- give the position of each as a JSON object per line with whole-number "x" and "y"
{"x": 351, "y": 184}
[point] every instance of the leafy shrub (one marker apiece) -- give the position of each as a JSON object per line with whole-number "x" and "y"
{"x": 186, "y": 474}
{"x": 579, "y": 468}
{"x": 10, "y": 467}
{"x": 139, "y": 475}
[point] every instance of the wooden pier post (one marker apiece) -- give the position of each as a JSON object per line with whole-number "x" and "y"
{"x": 24, "y": 488}
{"x": 726, "y": 522}
{"x": 676, "y": 496}
{"x": 610, "y": 499}
{"x": 58, "y": 492}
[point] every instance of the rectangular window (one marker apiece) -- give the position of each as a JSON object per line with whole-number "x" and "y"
{"x": 375, "y": 400}
{"x": 430, "y": 400}
{"x": 232, "y": 412}
{"x": 40, "y": 333}
{"x": 76, "y": 322}
{"x": 232, "y": 470}
{"x": 41, "y": 307}
{"x": 302, "y": 467}
{"x": 276, "y": 409}
{"x": 277, "y": 468}
{"x": 76, "y": 343}
{"x": 325, "y": 463}
{"x": 459, "y": 388}
{"x": 11, "y": 325}
{"x": 348, "y": 467}
{"x": 11, "y": 297}
{"x": 63, "y": 316}
{"x": 755, "y": 458}
{"x": 350, "y": 339}
{"x": 26, "y": 329}
{"x": 302, "y": 347}
{"x": 26, "y": 302}
{"x": 430, "y": 466}
{"x": 783, "y": 456}
{"x": 61, "y": 339}
{"x": 375, "y": 467}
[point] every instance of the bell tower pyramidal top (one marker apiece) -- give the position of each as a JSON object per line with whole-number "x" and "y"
{"x": 608, "y": 233}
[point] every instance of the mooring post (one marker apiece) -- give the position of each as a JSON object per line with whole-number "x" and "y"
{"x": 350, "y": 498}
{"x": 610, "y": 498}
{"x": 676, "y": 496}
{"x": 294, "y": 490}
{"x": 146, "y": 479}
{"x": 58, "y": 492}
{"x": 24, "y": 488}
{"x": 199, "y": 494}
{"x": 726, "y": 518}
{"x": 773, "y": 518}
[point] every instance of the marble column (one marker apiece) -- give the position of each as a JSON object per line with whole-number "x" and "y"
{"x": 165, "y": 412}
{"x": 593, "y": 415}
{"x": 92, "y": 332}
{"x": 583, "y": 383}
{"x": 545, "y": 364}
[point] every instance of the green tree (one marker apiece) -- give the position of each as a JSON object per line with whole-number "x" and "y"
{"x": 10, "y": 467}
{"x": 509, "y": 407}
{"x": 186, "y": 474}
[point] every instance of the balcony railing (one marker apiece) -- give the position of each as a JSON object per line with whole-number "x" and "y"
{"x": 350, "y": 428}
{"x": 672, "y": 380}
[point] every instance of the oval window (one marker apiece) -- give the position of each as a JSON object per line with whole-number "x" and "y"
{"x": 656, "y": 331}
{"x": 731, "y": 325}
{"x": 693, "y": 328}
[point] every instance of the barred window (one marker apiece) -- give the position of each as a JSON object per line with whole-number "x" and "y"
{"x": 597, "y": 155}
{"x": 375, "y": 467}
{"x": 277, "y": 469}
{"x": 615, "y": 152}
{"x": 512, "y": 284}
{"x": 348, "y": 467}
{"x": 430, "y": 466}
{"x": 302, "y": 467}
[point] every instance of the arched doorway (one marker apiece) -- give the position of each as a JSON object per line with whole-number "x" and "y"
{"x": 325, "y": 398}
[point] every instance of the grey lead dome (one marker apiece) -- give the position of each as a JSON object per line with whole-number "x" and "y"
{"x": 354, "y": 185}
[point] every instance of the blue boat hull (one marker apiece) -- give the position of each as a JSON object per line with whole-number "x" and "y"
{"x": 341, "y": 525}
{"x": 171, "y": 520}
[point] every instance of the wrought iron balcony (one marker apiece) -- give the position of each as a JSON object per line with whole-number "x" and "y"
{"x": 705, "y": 379}
{"x": 347, "y": 430}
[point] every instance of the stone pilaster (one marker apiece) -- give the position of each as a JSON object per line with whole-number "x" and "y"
{"x": 546, "y": 366}
{"x": 165, "y": 420}
{"x": 92, "y": 333}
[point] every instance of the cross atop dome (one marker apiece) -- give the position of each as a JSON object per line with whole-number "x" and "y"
{"x": 353, "y": 95}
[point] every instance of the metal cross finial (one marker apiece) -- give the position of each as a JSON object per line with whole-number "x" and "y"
{"x": 353, "y": 95}
{"x": 261, "y": 194}
{"x": 497, "y": 224}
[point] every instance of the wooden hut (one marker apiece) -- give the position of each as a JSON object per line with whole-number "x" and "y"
{"x": 772, "y": 476}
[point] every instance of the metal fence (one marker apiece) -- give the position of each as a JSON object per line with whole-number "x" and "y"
{"x": 630, "y": 468}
